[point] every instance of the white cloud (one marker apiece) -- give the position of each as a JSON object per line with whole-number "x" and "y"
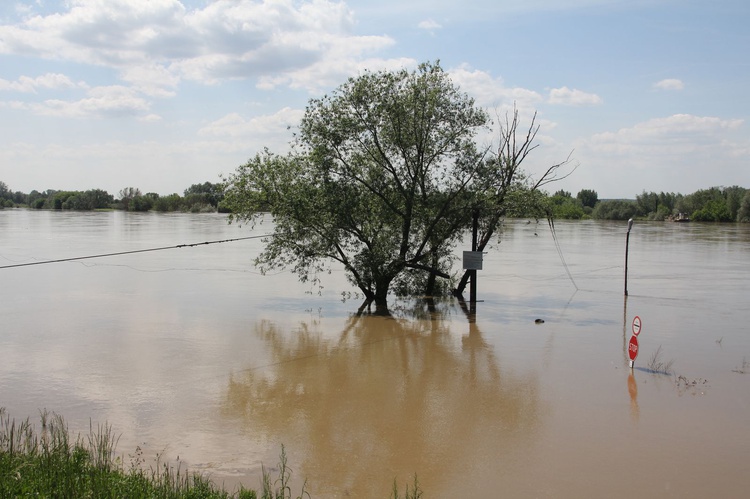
{"x": 573, "y": 97}
{"x": 429, "y": 25}
{"x": 332, "y": 71}
{"x": 150, "y": 118}
{"x": 112, "y": 100}
{"x": 491, "y": 92}
{"x": 678, "y": 153}
{"x": 23, "y": 9}
{"x": 16, "y": 105}
{"x": 471, "y": 11}
{"x": 155, "y": 43}
{"x": 669, "y": 84}
{"x": 153, "y": 80}
{"x": 234, "y": 125}
{"x": 676, "y": 134}
{"x": 28, "y": 84}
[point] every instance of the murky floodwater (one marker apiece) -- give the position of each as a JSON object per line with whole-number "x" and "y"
{"x": 190, "y": 352}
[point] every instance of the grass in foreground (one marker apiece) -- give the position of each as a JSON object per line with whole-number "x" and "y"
{"x": 50, "y": 464}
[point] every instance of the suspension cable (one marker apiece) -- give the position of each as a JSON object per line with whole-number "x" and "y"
{"x": 559, "y": 250}
{"x": 102, "y": 255}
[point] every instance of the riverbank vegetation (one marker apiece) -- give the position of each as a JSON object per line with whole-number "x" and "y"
{"x": 714, "y": 204}
{"x": 198, "y": 198}
{"x": 47, "y": 462}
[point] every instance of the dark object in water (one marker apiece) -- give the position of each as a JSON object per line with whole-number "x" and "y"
{"x": 680, "y": 217}
{"x": 539, "y": 321}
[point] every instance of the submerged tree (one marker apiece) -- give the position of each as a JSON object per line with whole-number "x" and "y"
{"x": 384, "y": 178}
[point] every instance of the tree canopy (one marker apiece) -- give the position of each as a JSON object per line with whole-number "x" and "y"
{"x": 384, "y": 177}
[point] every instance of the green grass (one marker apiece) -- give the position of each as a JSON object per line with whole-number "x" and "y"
{"x": 410, "y": 493}
{"x": 659, "y": 366}
{"x": 47, "y": 463}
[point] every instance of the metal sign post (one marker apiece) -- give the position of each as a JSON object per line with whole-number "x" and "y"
{"x": 633, "y": 343}
{"x": 633, "y": 350}
{"x": 627, "y": 243}
{"x": 473, "y": 262}
{"x": 474, "y": 236}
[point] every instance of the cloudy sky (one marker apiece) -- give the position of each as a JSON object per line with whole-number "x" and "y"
{"x": 161, "y": 94}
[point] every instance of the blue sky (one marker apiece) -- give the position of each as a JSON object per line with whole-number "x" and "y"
{"x": 162, "y": 94}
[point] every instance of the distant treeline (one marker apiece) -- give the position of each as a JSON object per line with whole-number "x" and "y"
{"x": 197, "y": 198}
{"x": 716, "y": 204}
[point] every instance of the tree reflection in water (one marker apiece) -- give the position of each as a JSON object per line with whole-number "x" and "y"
{"x": 388, "y": 397}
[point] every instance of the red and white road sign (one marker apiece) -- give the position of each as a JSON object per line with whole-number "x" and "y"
{"x": 636, "y": 325}
{"x": 633, "y": 347}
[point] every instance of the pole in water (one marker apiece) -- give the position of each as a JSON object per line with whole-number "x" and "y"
{"x": 627, "y": 243}
{"x": 474, "y": 236}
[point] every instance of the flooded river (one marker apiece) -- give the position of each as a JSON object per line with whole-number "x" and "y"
{"x": 190, "y": 353}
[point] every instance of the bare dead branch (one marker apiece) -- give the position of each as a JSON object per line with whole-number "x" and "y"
{"x": 550, "y": 175}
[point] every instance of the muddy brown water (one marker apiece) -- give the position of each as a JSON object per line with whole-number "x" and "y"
{"x": 191, "y": 354}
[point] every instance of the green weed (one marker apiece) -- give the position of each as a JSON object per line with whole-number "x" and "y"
{"x": 410, "y": 493}
{"x": 280, "y": 489}
{"x": 49, "y": 464}
{"x": 657, "y": 365}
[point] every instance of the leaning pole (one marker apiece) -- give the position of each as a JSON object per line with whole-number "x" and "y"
{"x": 627, "y": 243}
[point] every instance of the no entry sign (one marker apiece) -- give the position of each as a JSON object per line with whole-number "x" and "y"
{"x": 633, "y": 348}
{"x": 636, "y": 325}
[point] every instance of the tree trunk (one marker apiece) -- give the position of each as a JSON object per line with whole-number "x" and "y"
{"x": 432, "y": 277}
{"x": 380, "y": 308}
{"x": 380, "y": 297}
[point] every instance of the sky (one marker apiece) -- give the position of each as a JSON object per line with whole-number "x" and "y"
{"x": 162, "y": 94}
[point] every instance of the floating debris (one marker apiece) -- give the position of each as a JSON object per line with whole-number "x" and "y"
{"x": 693, "y": 387}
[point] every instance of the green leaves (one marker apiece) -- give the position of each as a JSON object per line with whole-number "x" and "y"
{"x": 384, "y": 179}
